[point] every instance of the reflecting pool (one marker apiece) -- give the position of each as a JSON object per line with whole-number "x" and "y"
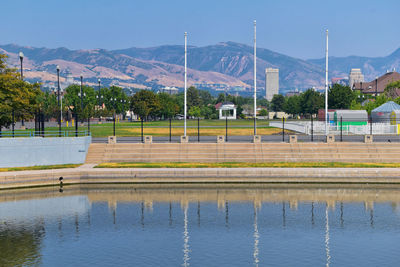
{"x": 246, "y": 225}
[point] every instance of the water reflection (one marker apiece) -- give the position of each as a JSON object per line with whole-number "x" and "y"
{"x": 20, "y": 246}
{"x": 185, "y": 238}
{"x": 231, "y": 228}
{"x": 327, "y": 249}
{"x": 256, "y": 238}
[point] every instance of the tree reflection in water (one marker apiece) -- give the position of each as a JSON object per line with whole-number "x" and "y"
{"x": 20, "y": 246}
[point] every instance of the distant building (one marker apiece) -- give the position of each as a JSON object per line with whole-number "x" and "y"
{"x": 340, "y": 80}
{"x": 69, "y": 78}
{"x": 355, "y": 76}
{"x": 378, "y": 85}
{"x": 293, "y": 93}
{"x": 169, "y": 90}
{"x": 271, "y": 83}
{"x": 227, "y": 110}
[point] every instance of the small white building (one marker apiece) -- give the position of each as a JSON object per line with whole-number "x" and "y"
{"x": 227, "y": 110}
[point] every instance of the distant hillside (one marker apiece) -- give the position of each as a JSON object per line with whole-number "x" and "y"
{"x": 226, "y": 63}
{"x": 236, "y": 60}
{"x": 371, "y": 67}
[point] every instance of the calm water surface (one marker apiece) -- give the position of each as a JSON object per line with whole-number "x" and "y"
{"x": 236, "y": 226}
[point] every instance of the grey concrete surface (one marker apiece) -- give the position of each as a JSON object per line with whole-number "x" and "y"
{"x": 21, "y": 152}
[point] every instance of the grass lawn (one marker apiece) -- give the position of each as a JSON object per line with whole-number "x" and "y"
{"x": 248, "y": 165}
{"x": 45, "y": 167}
{"x": 161, "y": 128}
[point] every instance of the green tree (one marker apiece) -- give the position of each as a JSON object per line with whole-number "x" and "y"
{"x": 277, "y": 102}
{"x": 115, "y": 98}
{"x": 340, "y": 97}
{"x": 168, "y": 106}
{"x": 145, "y": 103}
{"x": 193, "y": 98}
{"x": 293, "y": 105}
{"x": 73, "y": 99}
{"x": 205, "y": 97}
{"x": 16, "y": 95}
{"x": 194, "y": 111}
{"x": 392, "y": 90}
{"x": 263, "y": 112}
{"x": 311, "y": 101}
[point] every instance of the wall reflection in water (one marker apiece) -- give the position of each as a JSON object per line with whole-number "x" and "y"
{"x": 222, "y": 226}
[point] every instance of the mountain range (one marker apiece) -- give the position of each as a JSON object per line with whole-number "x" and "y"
{"x": 227, "y": 64}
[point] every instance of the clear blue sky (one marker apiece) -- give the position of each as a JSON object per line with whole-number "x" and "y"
{"x": 292, "y": 27}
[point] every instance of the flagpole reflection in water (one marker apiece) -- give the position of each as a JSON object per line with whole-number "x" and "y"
{"x": 256, "y": 239}
{"x": 185, "y": 238}
{"x": 328, "y": 255}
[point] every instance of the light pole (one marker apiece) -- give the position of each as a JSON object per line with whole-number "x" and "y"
{"x": 114, "y": 100}
{"x": 376, "y": 87}
{"x": 58, "y": 100}
{"x": 185, "y": 101}
{"x": 21, "y": 59}
{"x": 255, "y": 80}
{"x": 99, "y": 97}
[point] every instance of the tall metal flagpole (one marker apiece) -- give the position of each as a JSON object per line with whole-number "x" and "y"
{"x": 184, "y": 105}
{"x": 326, "y": 86}
{"x": 255, "y": 81}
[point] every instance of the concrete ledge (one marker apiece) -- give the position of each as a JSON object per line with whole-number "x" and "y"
{"x": 368, "y": 138}
{"x": 112, "y": 140}
{"x": 148, "y": 139}
{"x": 221, "y": 139}
{"x": 330, "y": 138}
{"x": 200, "y": 175}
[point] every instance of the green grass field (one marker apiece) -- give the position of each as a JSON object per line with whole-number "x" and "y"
{"x": 161, "y": 128}
{"x": 248, "y": 165}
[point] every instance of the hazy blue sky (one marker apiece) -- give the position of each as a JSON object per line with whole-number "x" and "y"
{"x": 292, "y": 27}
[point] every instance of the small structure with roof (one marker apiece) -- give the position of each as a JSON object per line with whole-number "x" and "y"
{"x": 383, "y": 112}
{"x": 227, "y": 110}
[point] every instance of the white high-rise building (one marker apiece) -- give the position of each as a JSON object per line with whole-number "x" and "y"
{"x": 271, "y": 83}
{"x": 355, "y": 77}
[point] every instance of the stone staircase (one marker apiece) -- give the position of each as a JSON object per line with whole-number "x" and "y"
{"x": 244, "y": 152}
{"x": 96, "y": 153}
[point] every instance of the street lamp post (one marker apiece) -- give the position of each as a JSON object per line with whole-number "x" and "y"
{"x": 115, "y": 100}
{"x": 21, "y": 59}
{"x": 58, "y": 100}
{"x": 99, "y": 97}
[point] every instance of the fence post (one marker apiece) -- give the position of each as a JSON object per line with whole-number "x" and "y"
{"x": 13, "y": 117}
{"x": 88, "y": 124}
{"x": 38, "y": 122}
{"x": 170, "y": 131}
{"x": 226, "y": 127}
{"x": 43, "y": 129}
{"x": 198, "y": 129}
{"x": 370, "y": 126}
{"x": 312, "y": 129}
{"x": 283, "y": 129}
{"x": 141, "y": 121}
{"x": 341, "y": 129}
{"x": 76, "y": 123}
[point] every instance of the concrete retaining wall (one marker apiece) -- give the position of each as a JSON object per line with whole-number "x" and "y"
{"x": 21, "y": 152}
